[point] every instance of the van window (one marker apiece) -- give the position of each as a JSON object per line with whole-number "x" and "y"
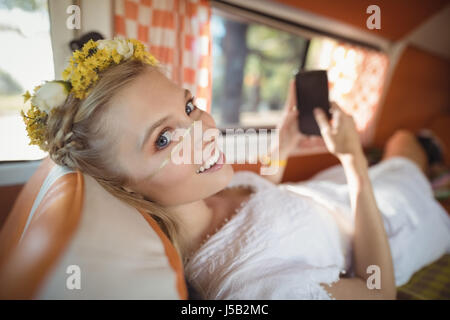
{"x": 255, "y": 57}
{"x": 26, "y": 60}
{"x": 252, "y": 66}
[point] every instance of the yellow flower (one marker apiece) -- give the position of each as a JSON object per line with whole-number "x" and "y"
{"x": 94, "y": 57}
{"x": 116, "y": 56}
{"x": 36, "y": 126}
{"x": 66, "y": 74}
{"x": 77, "y": 56}
{"x": 80, "y": 76}
{"x": 26, "y": 96}
{"x": 88, "y": 46}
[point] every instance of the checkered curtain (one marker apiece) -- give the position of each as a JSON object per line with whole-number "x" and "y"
{"x": 177, "y": 33}
{"x": 356, "y": 80}
{"x": 356, "y": 76}
{"x": 362, "y": 100}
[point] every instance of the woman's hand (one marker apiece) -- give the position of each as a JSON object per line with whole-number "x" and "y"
{"x": 288, "y": 139}
{"x": 289, "y": 134}
{"x": 341, "y": 137}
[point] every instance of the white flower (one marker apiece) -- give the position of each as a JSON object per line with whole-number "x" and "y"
{"x": 123, "y": 47}
{"x": 110, "y": 45}
{"x": 50, "y": 95}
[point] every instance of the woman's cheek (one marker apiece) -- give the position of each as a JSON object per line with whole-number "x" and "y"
{"x": 176, "y": 173}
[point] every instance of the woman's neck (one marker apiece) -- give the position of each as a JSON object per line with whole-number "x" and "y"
{"x": 200, "y": 218}
{"x": 196, "y": 219}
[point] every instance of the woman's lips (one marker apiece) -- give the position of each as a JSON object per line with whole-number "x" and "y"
{"x": 219, "y": 164}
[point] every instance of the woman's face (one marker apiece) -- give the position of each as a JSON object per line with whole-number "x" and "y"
{"x": 153, "y": 101}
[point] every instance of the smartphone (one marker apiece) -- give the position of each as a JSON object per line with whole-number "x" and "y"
{"x": 312, "y": 91}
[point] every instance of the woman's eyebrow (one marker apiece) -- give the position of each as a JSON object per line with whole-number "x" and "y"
{"x": 158, "y": 123}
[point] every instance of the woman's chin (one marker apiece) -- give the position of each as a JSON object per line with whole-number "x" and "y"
{"x": 220, "y": 177}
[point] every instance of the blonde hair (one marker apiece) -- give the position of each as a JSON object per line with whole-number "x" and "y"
{"x": 75, "y": 132}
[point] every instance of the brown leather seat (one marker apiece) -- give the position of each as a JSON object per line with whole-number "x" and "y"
{"x": 63, "y": 218}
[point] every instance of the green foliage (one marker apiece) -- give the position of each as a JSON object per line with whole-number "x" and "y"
{"x": 27, "y": 5}
{"x": 274, "y": 58}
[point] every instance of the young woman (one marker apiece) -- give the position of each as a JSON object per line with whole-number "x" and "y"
{"x": 241, "y": 235}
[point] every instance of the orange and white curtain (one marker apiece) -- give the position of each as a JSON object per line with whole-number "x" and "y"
{"x": 356, "y": 78}
{"x": 177, "y": 33}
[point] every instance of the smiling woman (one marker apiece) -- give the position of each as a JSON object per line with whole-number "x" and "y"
{"x": 83, "y": 135}
{"x": 121, "y": 135}
{"x": 131, "y": 114}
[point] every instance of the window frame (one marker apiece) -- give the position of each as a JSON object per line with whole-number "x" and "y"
{"x": 247, "y": 15}
{"x": 16, "y": 172}
{"x": 299, "y": 26}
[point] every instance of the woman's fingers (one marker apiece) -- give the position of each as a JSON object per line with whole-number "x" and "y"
{"x": 322, "y": 121}
{"x": 287, "y": 117}
{"x": 291, "y": 99}
{"x": 335, "y": 106}
{"x": 337, "y": 119}
{"x": 325, "y": 128}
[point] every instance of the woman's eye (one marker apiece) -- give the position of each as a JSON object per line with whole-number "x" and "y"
{"x": 190, "y": 106}
{"x": 163, "y": 140}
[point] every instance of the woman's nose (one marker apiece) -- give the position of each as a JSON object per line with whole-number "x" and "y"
{"x": 206, "y": 118}
{"x": 206, "y": 137}
{"x": 204, "y": 130}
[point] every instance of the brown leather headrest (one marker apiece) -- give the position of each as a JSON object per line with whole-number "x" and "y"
{"x": 64, "y": 218}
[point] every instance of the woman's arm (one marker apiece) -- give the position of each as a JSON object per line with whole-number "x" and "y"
{"x": 288, "y": 138}
{"x": 370, "y": 242}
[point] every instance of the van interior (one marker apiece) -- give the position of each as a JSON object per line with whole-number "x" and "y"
{"x": 388, "y": 66}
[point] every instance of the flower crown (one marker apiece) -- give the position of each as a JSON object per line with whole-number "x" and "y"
{"x": 79, "y": 78}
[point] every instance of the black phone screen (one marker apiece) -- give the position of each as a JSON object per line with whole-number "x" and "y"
{"x": 312, "y": 92}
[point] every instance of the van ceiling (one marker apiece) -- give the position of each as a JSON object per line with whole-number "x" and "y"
{"x": 398, "y": 17}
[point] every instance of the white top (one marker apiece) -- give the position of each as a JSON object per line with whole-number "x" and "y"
{"x": 288, "y": 238}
